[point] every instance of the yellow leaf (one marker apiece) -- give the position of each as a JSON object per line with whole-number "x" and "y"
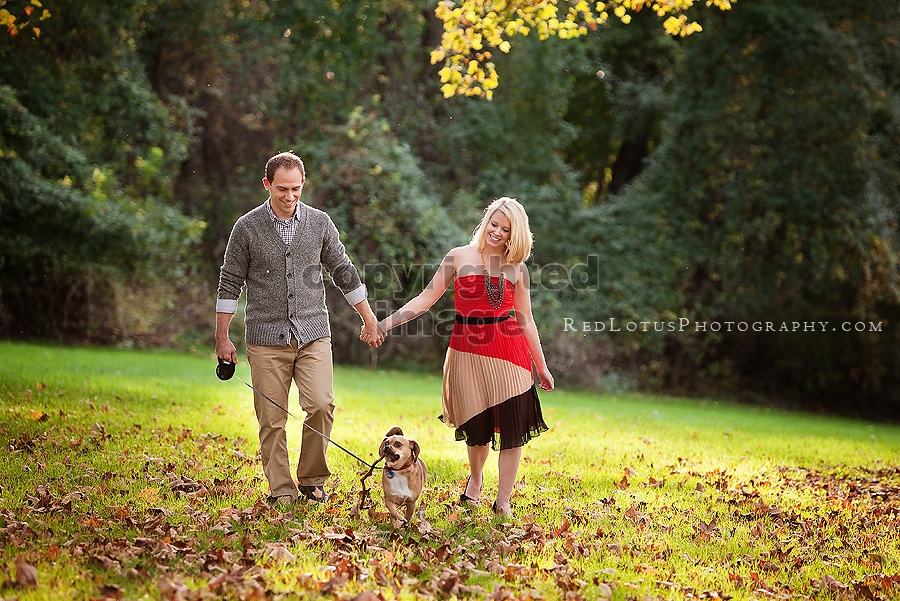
{"x": 673, "y": 25}
{"x": 36, "y": 30}
{"x": 37, "y": 3}
{"x": 149, "y": 494}
{"x": 38, "y": 415}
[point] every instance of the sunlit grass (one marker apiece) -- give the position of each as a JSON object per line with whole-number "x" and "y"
{"x": 625, "y": 496}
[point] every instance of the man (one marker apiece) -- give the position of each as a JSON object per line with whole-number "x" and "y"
{"x": 278, "y": 251}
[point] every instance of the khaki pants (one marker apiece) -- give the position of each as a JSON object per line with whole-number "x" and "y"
{"x": 272, "y": 368}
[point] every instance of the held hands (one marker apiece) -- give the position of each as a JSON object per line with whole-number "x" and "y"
{"x": 372, "y": 334}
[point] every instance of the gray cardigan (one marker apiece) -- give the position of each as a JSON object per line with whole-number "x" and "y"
{"x": 285, "y": 283}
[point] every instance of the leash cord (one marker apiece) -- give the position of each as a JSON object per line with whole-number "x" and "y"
{"x": 371, "y": 466}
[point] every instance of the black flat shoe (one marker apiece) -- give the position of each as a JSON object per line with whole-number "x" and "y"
{"x": 314, "y": 493}
{"x": 464, "y": 498}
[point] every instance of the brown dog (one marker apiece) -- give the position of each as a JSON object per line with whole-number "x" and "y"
{"x": 404, "y": 474}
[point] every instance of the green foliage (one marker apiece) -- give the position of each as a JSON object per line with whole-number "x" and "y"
{"x": 65, "y": 225}
{"x": 748, "y": 172}
{"x": 89, "y": 159}
{"x": 394, "y": 226}
{"x": 761, "y": 202}
{"x": 623, "y": 79}
{"x": 511, "y": 144}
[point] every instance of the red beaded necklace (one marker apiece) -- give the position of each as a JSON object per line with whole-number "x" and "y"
{"x": 494, "y": 293}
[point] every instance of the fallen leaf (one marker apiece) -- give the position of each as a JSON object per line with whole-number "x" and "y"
{"x": 169, "y": 589}
{"x": 111, "y": 591}
{"x": 709, "y": 529}
{"x": 604, "y": 590}
{"x": 26, "y": 574}
{"x": 278, "y": 553}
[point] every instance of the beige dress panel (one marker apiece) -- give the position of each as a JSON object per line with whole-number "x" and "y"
{"x": 478, "y": 383}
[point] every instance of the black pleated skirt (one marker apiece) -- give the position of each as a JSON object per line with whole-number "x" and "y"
{"x": 508, "y": 425}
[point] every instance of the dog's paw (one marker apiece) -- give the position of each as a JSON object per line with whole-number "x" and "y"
{"x": 401, "y": 523}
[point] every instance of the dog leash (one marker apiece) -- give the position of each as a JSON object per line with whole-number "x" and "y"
{"x": 225, "y": 371}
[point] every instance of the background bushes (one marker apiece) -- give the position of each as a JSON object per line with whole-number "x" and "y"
{"x": 749, "y": 173}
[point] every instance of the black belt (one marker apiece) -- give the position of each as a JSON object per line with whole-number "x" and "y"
{"x": 480, "y": 320}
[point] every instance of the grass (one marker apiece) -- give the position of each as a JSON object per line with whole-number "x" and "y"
{"x": 133, "y": 475}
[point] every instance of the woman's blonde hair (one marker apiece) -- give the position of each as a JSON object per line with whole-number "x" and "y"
{"x": 518, "y": 249}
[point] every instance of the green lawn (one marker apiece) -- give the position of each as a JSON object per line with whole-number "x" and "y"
{"x": 129, "y": 474}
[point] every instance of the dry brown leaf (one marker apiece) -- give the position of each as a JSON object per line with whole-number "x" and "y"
{"x": 278, "y": 553}
{"x": 26, "y": 574}
{"x": 111, "y": 591}
{"x": 494, "y": 567}
{"x": 169, "y": 589}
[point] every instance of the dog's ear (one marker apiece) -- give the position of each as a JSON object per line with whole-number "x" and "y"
{"x": 414, "y": 447}
{"x": 381, "y": 447}
{"x": 394, "y": 432}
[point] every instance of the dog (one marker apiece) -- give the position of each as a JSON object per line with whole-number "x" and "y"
{"x": 403, "y": 477}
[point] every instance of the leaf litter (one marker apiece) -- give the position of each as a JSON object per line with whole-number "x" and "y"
{"x": 182, "y": 514}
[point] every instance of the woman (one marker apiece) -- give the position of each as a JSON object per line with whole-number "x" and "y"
{"x": 488, "y": 392}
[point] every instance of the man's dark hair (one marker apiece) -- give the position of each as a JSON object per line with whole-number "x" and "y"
{"x": 284, "y": 160}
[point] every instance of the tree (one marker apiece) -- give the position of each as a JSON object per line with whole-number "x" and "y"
{"x": 88, "y": 158}
{"x": 20, "y": 19}
{"x": 395, "y": 228}
{"x": 473, "y": 27}
{"x": 68, "y": 227}
{"x": 774, "y": 197}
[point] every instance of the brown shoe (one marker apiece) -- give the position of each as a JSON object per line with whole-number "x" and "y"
{"x": 282, "y": 503}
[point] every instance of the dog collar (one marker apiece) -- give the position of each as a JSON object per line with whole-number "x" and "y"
{"x": 389, "y": 471}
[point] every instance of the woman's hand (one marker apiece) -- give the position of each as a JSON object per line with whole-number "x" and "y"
{"x": 546, "y": 379}
{"x": 371, "y": 335}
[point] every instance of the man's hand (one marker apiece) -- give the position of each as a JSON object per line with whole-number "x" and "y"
{"x": 225, "y": 350}
{"x": 370, "y": 334}
{"x": 224, "y": 347}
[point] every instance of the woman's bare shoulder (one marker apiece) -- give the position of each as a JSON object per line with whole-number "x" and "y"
{"x": 465, "y": 259}
{"x": 463, "y": 255}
